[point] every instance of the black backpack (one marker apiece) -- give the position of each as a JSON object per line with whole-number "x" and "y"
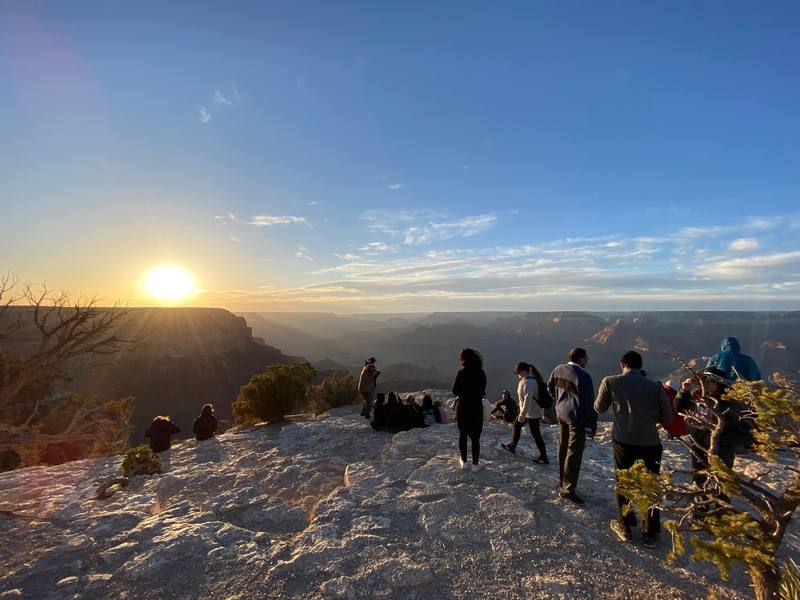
{"x": 543, "y": 398}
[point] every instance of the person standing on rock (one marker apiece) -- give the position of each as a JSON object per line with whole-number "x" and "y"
{"x": 639, "y": 406}
{"x": 367, "y": 385}
{"x": 530, "y": 412}
{"x": 206, "y": 424}
{"x": 469, "y": 388}
{"x": 573, "y": 390}
{"x": 160, "y": 433}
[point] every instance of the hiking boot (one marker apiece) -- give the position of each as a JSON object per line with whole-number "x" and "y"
{"x": 572, "y": 497}
{"x": 650, "y": 541}
{"x": 509, "y": 447}
{"x": 622, "y": 531}
{"x": 541, "y": 460}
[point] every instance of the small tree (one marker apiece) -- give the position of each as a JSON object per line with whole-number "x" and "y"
{"x": 140, "y": 460}
{"x": 737, "y": 517}
{"x": 339, "y": 389}
{"x": 273, "y": 394}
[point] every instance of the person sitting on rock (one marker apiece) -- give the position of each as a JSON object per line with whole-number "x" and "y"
{"x": 206, "y": 424}
{"x": 160, "y": 433}
{"x": 378, "y": 418}
{"x": 444, "y": 412}
{"x": 506, "y": 408}
{"x": 395, "y": 414}
{"x": 430, "y": 413}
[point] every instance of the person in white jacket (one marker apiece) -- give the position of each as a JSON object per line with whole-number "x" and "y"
{"x": 529, "y": 412}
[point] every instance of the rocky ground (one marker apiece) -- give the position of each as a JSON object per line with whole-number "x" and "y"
{"x": 327, "y": 508}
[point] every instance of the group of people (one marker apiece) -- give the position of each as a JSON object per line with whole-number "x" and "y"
{"x": 162, "y": 429}
{"x": 640, "y": 408}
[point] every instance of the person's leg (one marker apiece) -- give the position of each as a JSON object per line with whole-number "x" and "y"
{"x": 462, "y": 443}
{"x": 652, "y": 460}
{"x": 563, "y": 442}
{"x": 624, "y": 457}
{"x": 536, "y": 432}
{"x": 572, "y": 463}
{"x": 364, "y": 406}
{"x": 515, "y": 433}
{"x": 476, "y": 438}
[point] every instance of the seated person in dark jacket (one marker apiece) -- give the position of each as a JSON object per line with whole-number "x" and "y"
{"x": 430, "y": 413}
{"x": 205, "y": 425}
{"x": 505, "y": 408}
{"x": 395, "y": 419}
{"x": 160, "y": 433}
{"x": 378, "y": 418}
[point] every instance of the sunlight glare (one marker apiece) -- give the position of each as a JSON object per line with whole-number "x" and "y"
{"x": 169, "y": 283}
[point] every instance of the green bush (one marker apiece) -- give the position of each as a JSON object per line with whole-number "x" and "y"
{"x": 141, "y": 460}
{"x": 339, "y": 389}
{"x": 273, "y": 394}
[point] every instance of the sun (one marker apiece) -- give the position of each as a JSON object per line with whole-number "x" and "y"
{"x": 168, "y": 283}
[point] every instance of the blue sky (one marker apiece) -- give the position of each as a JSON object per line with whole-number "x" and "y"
{"x": 418, "y": 156}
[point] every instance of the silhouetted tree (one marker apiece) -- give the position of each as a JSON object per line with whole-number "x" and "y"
{"x": 338, "y": 389}
{"x": 41, "y": 331}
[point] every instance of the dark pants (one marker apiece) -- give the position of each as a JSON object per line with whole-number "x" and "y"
{"x": 726, "y": 452}
{"x": 533, "y": 425}
{"x": 366, "y": 408}
{"x": 470, "y": 425}
{"x": 571, "y": 441}
{"x": 624, "y": 457}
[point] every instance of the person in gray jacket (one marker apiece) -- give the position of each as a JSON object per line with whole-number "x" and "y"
{"x": 639, "y": 404}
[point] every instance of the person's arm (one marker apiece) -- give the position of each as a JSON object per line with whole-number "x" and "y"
{"x": 684, "y": 400}
{"x": 457, "y": 384}
{"x": 664, "y": 408}
{"x": 551, "y": 385}
{"x": 603, "y": 400}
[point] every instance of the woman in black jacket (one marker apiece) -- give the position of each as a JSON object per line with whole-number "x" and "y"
{"x": 470, "y": 388}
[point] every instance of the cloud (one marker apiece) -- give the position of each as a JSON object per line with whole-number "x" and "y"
{"x": 302, "y": 252}
{"x": 220, "y": 99}
{"x": 375, "y": 247}
{"x": 396, "y": 186}
{"x": 262, "y": 220}
{"x": 301, "y": 86}
{"x": 464, "y": 227}
{"x": 753, "y": 268}
{"x": 743, "y": 245}
{"x": 233, "y": 238}
{"x": 205, "y": 116}
{"x": 271, "y": 220}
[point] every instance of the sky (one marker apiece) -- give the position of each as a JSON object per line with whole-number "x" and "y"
{"x": 408, "y": 156}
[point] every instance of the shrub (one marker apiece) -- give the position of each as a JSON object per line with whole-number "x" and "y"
{"x": 140, "y": 460}
{"x": 339, "y": 389}
{"x": 273, "y": 394}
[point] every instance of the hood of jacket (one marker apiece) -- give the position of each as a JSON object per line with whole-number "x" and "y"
{"x": 730, "y": 344}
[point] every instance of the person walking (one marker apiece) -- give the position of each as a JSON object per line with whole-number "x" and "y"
{"x": 206, "y": 424}
{"x": 573, "y": 390}
{"x": 639, "y": 406}
{"x": 469, "y": 388}
{"x": 367, "y": 385}
{"x": 530, "y": 412}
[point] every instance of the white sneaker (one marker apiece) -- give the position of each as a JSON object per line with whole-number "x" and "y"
{"x": 475, "y": 468}
{"x": 462, "y": 464}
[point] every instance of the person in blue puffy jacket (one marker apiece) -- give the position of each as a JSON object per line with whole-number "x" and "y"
{"x": 733, "y": 363}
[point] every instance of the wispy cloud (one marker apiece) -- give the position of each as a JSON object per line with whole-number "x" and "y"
{"x": 205, "y": 117}
{"x": 376, "y": 247}
{"x": 744, "y": 245}
{"x": 396, "y": 186}
{"x": 219, "y": 98}
{"x": 235, "y": 239}
{"x": 302, "y": 252}
{"x": 262, "y": 220}
{"x": 464, "y": 227}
